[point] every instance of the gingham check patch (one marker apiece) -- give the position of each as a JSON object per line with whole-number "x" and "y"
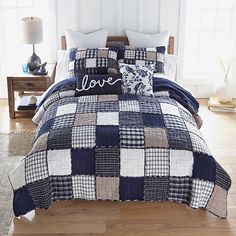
{"x": 107, "y": 161}
{"x": 174, "y": 122}
{"x": 156, "y": 188}
{"x": 83, "y": 136}
{"x": 131, "y": 137}
{"x": 88, "y": 98}
{"x": 157, "y": 162}
{"x": 84, "y": 187}
{"x": 201, "y": 192}
{"x": 63, "y": 121}
{"x": 36, "y": 167}
{"x": 129, "y": 106}
{"x": 179, "y": 189}
{"x": 84, "y": 107}
{"x": 62, "y": 187}
{"x": 198, "y": 144}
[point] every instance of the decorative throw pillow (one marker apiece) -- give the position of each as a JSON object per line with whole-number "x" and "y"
{"x": 98, "y": 84}
{"x": 145, "y": 56}
{"x": 137, "y": 79}
{"x": 101, "y": 61}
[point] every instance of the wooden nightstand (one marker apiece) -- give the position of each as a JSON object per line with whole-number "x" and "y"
{"x": 28, "y": 84}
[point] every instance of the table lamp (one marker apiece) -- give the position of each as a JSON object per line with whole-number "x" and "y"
{"x": 32, "y": 28}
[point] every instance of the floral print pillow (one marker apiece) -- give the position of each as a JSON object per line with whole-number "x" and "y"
{"x": 137, "y": 79}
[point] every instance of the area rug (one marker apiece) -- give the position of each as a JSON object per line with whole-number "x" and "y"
{"x": 13, "y": 147}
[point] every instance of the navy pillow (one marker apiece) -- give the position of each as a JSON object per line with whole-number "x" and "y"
{"x": 98, "y": 84}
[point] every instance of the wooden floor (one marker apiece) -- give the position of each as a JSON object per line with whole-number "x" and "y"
{"x": 134, "y": 218}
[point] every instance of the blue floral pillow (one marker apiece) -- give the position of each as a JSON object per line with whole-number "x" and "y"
{"x": 137, "y": 79}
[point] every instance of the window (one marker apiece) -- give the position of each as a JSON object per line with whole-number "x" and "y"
{"x": 13, "y": 53}
{"x": 208, "y": 27}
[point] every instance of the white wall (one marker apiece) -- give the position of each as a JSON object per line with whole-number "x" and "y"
{"x": 149, "y": 16}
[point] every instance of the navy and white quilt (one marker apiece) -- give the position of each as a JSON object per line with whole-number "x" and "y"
{"x": 118, "y": 147}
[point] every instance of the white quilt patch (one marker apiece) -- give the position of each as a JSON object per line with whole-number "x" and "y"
{"x": 169, "y": 109}
{"x": 17, "y": 176}
{"x": 66, "y": 109}
{"x": 59, "y": 162}
{"x": 107, "y": 118}
{"x": 129, "y": 106}
{"x": 132, "y": 162}
{"x": 181, "y": 163}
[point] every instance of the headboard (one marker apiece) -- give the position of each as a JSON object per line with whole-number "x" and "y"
{"x": 121, "y": 39}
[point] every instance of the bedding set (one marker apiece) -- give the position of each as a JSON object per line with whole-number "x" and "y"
{"x": 113, "y": 131}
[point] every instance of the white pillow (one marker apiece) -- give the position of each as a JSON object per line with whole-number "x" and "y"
{"x": 62, "y": 65}
{"x": 170, "y": 67}
{"x": 75, "y": 39}
{"x": 137, "y": 39}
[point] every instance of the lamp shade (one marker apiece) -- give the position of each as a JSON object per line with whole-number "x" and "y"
{"x": 32, "y": 29}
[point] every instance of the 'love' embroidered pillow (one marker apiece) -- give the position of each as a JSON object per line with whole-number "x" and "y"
{"x": 98, "y": 84}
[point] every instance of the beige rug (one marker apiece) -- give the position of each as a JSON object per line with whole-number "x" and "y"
{"x": 13, "y": 147}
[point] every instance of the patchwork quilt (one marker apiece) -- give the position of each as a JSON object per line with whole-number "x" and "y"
{"x": 118, "y": 147}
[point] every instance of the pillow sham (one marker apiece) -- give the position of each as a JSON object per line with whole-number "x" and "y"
{"x": 145, "y": 56}
{"x": 75, "y": 39}
{"x": 101, "y": 61}
{"x": 137, "y": 39}
{"x": 98, "y": 84}
{"x": 137, "y": 79}
{"x": 62, "y": 65}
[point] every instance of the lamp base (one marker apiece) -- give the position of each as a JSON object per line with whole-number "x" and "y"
{"x": 33, "y": 62}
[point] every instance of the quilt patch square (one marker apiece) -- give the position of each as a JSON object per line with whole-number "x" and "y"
{"x": 36, "y": 167}
{"x": 167, "y": 100}
{"x": 91, "y": 63}
{"x": 131, "y": 188}
{"x": 222, "y": 178}
{"x": 108, "y": 118}
{"x": 169, "y": 109}
{"x": 107, "y": 136}
{"x": 181, "y": 163}
{"x": 129, "y": 106}
{"x": 83, "y": 136}
{"x": 17, "y": 176}
{"x": 218, "y": 202}
{"x": 149, "y": 106}
{"x": 63, "y": 121}
{"x": 179, "y": 189}
{"x": 132, "y": 162}
{"x": 84, "y": 187}
{"x": 107, "y": 188}
{"x": 192, "y": 128}
{"x": 66, "y": 109}
{"x": 156, "y": 188}
{"x": 107, "y": 161}
{"x": 41, "y": 193}
{"x": 179, "y": 139}
{"x": 187, "y": 116}
{"x": 131, "y": 137}
{"x": 59, "y": 162}
{"x": 40, "y": 144}
{"x": 201, "y": 192}
{"x": 87, "y": 107}
{"x": 157, "y": 162}
{"x": 155, "y": 137}
{"x": 45, "y": 128}
{"x": 102, "y": 53}
{"x": 108, "y": 106}
{"x": 85, "y": 119}
{"x": 107, "y": 98}
{"x": 153, "y": 120}
{"x": 62, "y": 187}
{"x": 198, "y": 144}
{"x": 83, "y": 161}
{"x": 174, "y": 122}
{"x": 59, "y": 138}
{"x": 151, "y": 56}
{"x": 88, "y": 98}
{"x": 204, "y": 167}
{"x": 128, "y": 118}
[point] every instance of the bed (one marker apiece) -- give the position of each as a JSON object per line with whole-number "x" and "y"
{"x": 119, "y": 147}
